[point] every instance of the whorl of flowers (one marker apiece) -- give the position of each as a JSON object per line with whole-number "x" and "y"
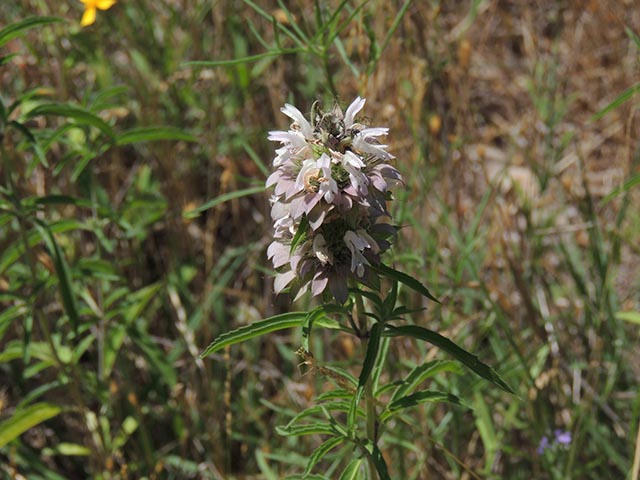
{"x": 331, "y": 184}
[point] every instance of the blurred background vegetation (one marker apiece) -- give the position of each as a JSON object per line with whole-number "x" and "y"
{"x": 133, "y": 229}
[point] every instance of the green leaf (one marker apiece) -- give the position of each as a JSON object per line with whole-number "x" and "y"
{"x": 378, "y": 461}
{"x": 310, "y": 429}
{"x": 352, "y": 472}
{"x": 420, "y": 373}
{"x": 418, "y": 398}
{"x": 405, "y": 279}
{"x": 320, "y": 452}
{"x": 221, "y": 199}
{"x": 61, "y": 200}
{"x": 466, "y": 358}
{"x": 334, "y": 406}
{"x": 9, "y": 314}
{"x": 26, "y": 133}
{"x": 129, "y": 425}
{"x": 14, "y": 30}
{"x": 484, "y": 424}
{"x": 238, "y": 61}
{"x": 256, "y": 329}
{"x": 313, "y": 315}
{"x": 80, "y": 115}
{"x": 633, "y": 317}
{"x": 62, "y": 272}
{"x": 373, "y": 347}
{"x": 72, "y": 449}
{"x": 152, "y": 134}
{"x": 23, "y": 420}
{"x": 301, "y": 234}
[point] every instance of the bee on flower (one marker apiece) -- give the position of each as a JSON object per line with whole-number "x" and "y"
{"x": 331, "y": 184}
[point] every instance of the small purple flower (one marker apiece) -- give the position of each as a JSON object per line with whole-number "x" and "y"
{"x": 329, "y": 203}
{"x": 543, "y": 445}
{"x": 562, "y": 437}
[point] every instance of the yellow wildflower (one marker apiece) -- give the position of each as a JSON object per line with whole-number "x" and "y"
{"x": 90, "y": 7}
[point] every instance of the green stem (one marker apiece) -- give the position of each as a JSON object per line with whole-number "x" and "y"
{"x": 371, "y": 419}
{"x": 362, "y": 330}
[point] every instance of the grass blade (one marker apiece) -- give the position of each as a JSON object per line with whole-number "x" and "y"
{"x": 221, "y": 199}
{"x": 152, "y": 134}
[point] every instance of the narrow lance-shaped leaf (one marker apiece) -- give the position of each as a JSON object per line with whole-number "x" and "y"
{"x": 418, "y": 398}
{"x": 466, "y": 358}
{"x": 256, "y": 329}
{"x": 369, "y": 362}
{"x": 420, "y": 373}
{"x": 352, "y": 472}
{"x": 80, "y": 115}
{"x": 62, "y": 272}
{"x": 151, "y": 134}
{"x": 23, "y": 420}
{"x": 405, "y": 279}
{"x": 378, "y": 461}
{"x": 310, "y": 429}
{"x": 373, "y": 348}
{"x": 16, "y": 29}
{"x": 319, "y": 453}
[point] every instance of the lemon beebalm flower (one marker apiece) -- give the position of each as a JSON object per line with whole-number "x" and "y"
{"x": 90, "y": 7}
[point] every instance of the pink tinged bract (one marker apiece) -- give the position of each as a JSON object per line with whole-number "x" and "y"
{"x": 338, "y": 283}
{"x": 282, "y": 280}
{"x": 278, "y": 253}
{"x": 319, "y": 283}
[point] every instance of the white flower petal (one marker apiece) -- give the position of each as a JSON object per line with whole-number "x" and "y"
{"x": 295, "y": 114}
{"x": 360, "y": 144}
{"x": 356, "y": 245}
{"x": 374, "y": 132}
{"x": 352, "y": 111}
